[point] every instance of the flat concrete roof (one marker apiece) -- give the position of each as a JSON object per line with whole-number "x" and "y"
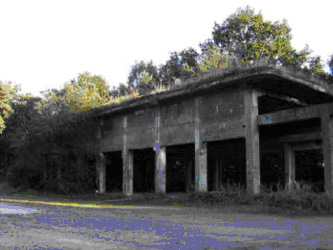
{"x": 280, "y": 81}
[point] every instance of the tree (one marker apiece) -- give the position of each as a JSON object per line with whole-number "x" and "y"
{"x": 89, "y": 91}
{"x": 6, "y": 94}
{"x": 246, "y": 36}
{"x": 121, "y": 90}
{"x": 143, "y": 78}
{"x": 181, "y": 65}
{"x": 315, "y": 65}
{"x": 46, "y": 147}
{"x": 213, "y": 58}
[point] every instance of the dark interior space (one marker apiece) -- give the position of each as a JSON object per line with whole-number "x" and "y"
{"x": 272, "y": 169}
{"x": 309, "y": 168}
{"x": 299, "y": 127}
{"x": 114, "y": 171}
{"x": 180, "y": 170}
{"x": 144, "y": 165}
{"x": 268, "y": 104}
{"x": 226, "y": 164}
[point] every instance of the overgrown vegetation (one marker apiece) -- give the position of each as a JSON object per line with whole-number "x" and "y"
{"x": 294, "y": 202}
{"x": 300, "y": 202}
{"x": 49, "y": 152}
{"x": 48, "y": 143}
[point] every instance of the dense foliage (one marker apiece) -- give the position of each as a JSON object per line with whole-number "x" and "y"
{"x": 48, "y": 142}
{"x": 89, "y": 91}
{"x": 6, "y": 94}
{"x": 48, "y": 148}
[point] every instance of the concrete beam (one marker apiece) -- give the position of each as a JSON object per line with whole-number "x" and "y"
{"x": 327, "y": 142}
{"x": 252, "y": 142}
{"x": 293, "y": 115}
{"x": 286, "y": 99}
{"x": 299, "y": 137}
{"x": 200, "y": 153}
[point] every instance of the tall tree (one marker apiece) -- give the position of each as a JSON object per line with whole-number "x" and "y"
{"x": 88, "y": 91}
{"x": 246, "y": 36}
{"x": 180, "y": 65}
{"x": 143, "y": 78}
{"x": 6, "y": 94}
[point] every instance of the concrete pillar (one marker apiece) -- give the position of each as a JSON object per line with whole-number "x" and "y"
{"x": 289, "y": 163}
{"x": 327, "y": 140}
{"x": 160, "y": 173}
{"x": 101, "y": 172}
{"x": 200, "y": 153}
{"x": 160, "y": 156}
{"x": 100, "y": 161}
{"x": 252, "y": 142}
{"x": 128, "y": 172}
{"x": 127, "y": 164}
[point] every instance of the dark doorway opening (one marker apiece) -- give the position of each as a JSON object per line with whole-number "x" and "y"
{"x": 180, "y": 168}
{"x": 309, "y": 169}
{"x": 272, "y": 170}
{"x": 144, "y": 165}
{"x": 114, "y": 171}
{"x": 226, "y": 164}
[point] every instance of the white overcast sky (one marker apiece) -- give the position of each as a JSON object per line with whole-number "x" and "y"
{"x": 44, "y": 44}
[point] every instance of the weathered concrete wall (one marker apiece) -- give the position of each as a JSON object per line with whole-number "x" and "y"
{"x": 221, "y": 116}
{"x": 141, "y": 129}
{"x": 216, "y": 116}
{"x": 177, "y": 123}
{"x": 112, "y": 134}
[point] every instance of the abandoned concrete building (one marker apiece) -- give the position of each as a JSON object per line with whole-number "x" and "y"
{"x": 256, "y": 126}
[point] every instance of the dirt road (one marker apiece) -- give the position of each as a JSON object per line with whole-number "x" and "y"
{"x": 57, "y": 227}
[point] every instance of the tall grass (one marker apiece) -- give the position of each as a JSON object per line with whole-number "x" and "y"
{"x": 299, "y": 199}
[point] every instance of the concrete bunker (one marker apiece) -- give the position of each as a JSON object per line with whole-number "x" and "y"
{"x": 272, "y": 111}
{"x": 114, "y": 171}
{"x": 144, "y": 170}
{"x": 180, "y": 169}
{"x": 226, "y": 164}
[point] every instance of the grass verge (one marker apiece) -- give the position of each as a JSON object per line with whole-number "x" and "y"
{"x": 296, "y": 202}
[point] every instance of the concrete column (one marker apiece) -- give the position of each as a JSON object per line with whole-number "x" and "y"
{"x": 128, "y": 172}
{"x": 160, "y": 173}
{"x": 252, "y": 142}
{"x": 101, "y": 172}
{"x": 327, "y": 140}
{"x": 200, "y": 153}
{"x": 100, "y": 161}
{"x": 289, "y": 163}
{"x": 127, "y": 164}
{"x": 160, "y": 156}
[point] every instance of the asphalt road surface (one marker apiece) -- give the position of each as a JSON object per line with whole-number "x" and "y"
{"x": 35, "y": 226}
